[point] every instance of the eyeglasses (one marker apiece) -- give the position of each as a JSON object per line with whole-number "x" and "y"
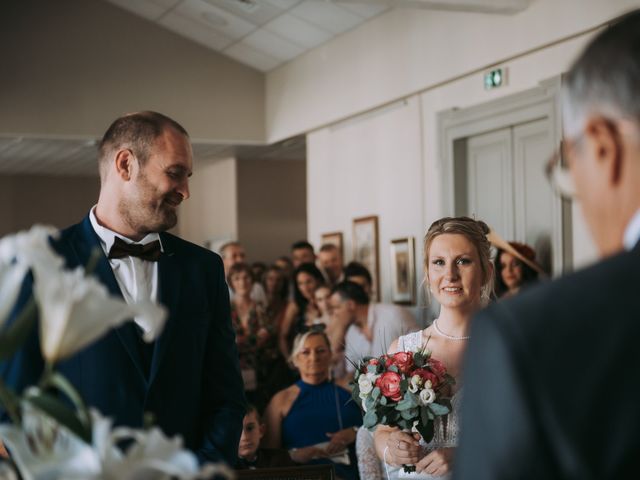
{"x": 557, "y": 171}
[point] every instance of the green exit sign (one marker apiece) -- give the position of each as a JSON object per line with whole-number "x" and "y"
{"x": 495, "y": 78}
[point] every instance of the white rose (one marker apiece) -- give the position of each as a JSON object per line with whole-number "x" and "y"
{"x": 427, "y": 396}
{"x": 365, "y": 384}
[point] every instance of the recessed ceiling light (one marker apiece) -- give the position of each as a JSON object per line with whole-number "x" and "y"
{"x": 215, "y": 19}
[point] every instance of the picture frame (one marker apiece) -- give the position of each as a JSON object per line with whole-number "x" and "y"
{"x": 365, "y": 250}
{"x": 334, "y": 238}
{"x": 403, "y": 271}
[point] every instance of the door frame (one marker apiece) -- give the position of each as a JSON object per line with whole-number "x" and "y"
{"x": 542, "y": 102}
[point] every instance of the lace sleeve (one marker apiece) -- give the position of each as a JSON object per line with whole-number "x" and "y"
{"x": 369, "y": 465}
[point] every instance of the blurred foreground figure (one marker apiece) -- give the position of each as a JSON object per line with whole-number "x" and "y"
{"x": 551, "y": 389}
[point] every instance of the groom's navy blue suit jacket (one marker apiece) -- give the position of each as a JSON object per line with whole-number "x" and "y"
{"x": 193, "y": 387}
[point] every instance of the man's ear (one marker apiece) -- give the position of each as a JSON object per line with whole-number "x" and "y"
{"x": 263, "y": 429}
{"x": 124, "y": 163}
{"x": 603, "y": 138}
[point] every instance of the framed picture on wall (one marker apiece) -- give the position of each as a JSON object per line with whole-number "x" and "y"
{"x": 403, "y": 271}
{"x": 365, "y": 250}
{"x": 334, "y": 238}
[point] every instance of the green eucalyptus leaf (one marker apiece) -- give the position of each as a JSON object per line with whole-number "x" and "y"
{"x": 394, "y": 368}
{"x": 61, "y": 413}
{"x": 370, "y": 419}
{"x": 383, "y": 400}
{"x": 438, "y": 410}
{"x": 375, "y": 393}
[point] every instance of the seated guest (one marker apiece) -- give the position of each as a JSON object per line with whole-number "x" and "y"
{"x": 253, "y": 333}
{"x": 302, "y": 311}
{"x": 233, "y": 253}
{"x": 250, "y": 456}
{"x": 335, "y": 333}
{"x": 330, "y": 261}
{"x": 258, "y": 270}
{"x": 370, "y": 328}
{"x": 513, "y": 273}
{"x": 314, "y": 418}
{"x": 302, "y": 252}
{"x": 321, "y": 297}
{"x": 276, "y": 287}
{"x": 357, "y": 273}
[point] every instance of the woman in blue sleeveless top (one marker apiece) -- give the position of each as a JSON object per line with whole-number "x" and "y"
{"x": 315, "y": 418}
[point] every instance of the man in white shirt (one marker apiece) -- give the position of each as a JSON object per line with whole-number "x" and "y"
{"x": 551, "y": 386}
{"x": 369, "y": 328}
{"x": 189, "y": 378}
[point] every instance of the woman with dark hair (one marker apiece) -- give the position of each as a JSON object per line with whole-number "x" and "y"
{"x": 511, "y": 272}
{"x": 303, "y": 311}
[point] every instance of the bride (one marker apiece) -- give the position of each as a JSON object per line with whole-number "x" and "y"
{"x": 459, "y": 275}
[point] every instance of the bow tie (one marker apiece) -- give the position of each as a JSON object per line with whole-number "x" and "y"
{"x": 150, "y": 252}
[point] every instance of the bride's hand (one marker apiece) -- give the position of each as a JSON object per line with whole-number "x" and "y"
{"x": 437, "y": 462}
{"x": 403, "y": 448}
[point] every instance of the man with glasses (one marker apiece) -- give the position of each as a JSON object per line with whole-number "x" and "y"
{"x": 550, "y": 378}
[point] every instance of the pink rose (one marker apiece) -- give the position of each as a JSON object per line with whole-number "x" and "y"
{"x": 437, "y": 367}
{"x": 427, "y": 375}
{"x": 403, "y": 360}
{"x": 389, "y": 385}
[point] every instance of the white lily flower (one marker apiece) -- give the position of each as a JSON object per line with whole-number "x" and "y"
{"x": 75, "y": 310}
{"x": 19, "y": 253}
{"x": 427, "y": 396}
{"x": 151, "y": 455}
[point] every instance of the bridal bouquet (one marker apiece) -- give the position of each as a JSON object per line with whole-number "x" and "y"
{"x": 52, "y": 438}
{"x": 404, "y": 390}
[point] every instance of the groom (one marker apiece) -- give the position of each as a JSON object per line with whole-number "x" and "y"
{"x": 551, "y": 376}
{"x": 189, "y": 379}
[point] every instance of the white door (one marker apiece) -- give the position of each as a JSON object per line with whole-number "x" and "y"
{"x": 503, "y": 172}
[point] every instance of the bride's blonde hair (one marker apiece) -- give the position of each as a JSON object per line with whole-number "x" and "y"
{"x": 476, "y": 232}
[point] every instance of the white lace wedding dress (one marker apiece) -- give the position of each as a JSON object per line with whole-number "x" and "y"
{"x": 446, "y": 431}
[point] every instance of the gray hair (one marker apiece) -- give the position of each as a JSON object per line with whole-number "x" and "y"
{"x": 605, "y": 78}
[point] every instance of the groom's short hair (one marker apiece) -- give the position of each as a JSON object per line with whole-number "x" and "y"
{"x": 137, "y": 132}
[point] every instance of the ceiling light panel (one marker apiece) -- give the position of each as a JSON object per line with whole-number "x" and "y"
{"x": 273, "y": 45}
{"x": 365, "y": 10}
{"x": 252, "y": 57}
{"x": 194, "y": 30}
{"x": 298, "y": 31}
{"x": 326, "y": 15}
{"x": 256, "y": 12}
{"x": 217, "y": 19}
{"x": 283, "y": 4}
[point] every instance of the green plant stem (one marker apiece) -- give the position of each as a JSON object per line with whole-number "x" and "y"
{"x": 11, "y": 403}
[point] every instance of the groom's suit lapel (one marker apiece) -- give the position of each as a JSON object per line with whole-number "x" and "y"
{"x": 84, "y": 245}
{"x": 170, "y": 273}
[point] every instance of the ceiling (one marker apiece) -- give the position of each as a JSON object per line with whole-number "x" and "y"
{"x": 260, "y": 33}
{"x": 78, "y": 157}
{"x": 264, "y": 34}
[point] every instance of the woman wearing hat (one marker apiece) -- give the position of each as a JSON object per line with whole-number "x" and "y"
{"x": 513, "y": 270}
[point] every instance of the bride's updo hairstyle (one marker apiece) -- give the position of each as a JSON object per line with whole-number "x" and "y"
{"x": 476, "y": 232}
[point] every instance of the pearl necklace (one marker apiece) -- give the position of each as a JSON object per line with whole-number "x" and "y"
{"x": 450, "y": 337}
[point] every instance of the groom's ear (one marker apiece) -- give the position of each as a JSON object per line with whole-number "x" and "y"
{"x": 124, "y": 164}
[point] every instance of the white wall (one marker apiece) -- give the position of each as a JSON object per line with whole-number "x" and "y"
{"x": 387, "y": 163}
{"x": 212, "y": 210}
{"x": 369, "y": 166}
{"x": 406, "y": 51}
